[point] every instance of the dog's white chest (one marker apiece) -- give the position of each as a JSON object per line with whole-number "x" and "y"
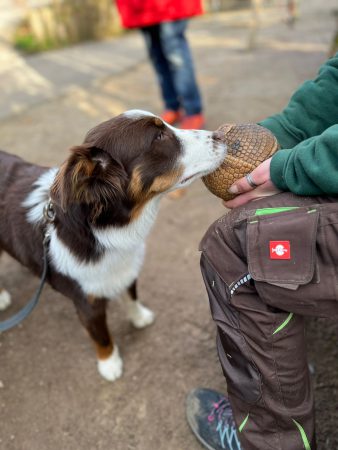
{"x": 108, "y": 277}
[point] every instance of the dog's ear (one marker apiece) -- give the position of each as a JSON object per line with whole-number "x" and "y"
{"x": 89, "y": 176}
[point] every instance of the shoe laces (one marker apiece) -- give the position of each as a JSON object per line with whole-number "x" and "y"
{"x": 220, "y": 411}
{"x": 226, "y": 428}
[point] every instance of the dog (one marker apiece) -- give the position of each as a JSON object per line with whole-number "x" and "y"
{"x": 105, "y": 198}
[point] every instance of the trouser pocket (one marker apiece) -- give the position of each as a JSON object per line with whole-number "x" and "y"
{"x": 288, "y": 257}
{"x": 243, "y": 378}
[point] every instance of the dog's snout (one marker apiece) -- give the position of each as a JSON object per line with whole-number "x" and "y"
{"x": 218, "y": 135}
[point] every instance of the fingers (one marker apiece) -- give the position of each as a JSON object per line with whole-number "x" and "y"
{"x": 262, "y": 172}
{"x": 259, "y": 176}
{"x": 241, "y": 186}
{"x": 264, "y": 190}
{"x": 240, "y": 200}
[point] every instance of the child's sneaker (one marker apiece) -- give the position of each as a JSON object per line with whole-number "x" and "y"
{"x": 171, "y": 117}
{"x": 194, "y": 122}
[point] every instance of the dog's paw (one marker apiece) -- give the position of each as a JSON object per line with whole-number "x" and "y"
{"x": 5, "y": 300}
{"x": 111, "y": 368}
{"x": 139, "y": 315}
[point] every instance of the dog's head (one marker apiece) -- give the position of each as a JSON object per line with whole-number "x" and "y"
{"x": 128, "y": 160}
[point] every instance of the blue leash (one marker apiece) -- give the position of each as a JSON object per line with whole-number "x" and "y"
{"x": 28, "y": 308}
{"x": 5, "y": 325}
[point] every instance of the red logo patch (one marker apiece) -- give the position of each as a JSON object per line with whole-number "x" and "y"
{"x": 280, "y": 250}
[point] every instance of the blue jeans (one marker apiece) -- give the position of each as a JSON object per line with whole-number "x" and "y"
{"x": 170, "y": 55}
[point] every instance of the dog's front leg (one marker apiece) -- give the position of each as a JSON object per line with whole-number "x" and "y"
{"x": 92, "y": 314}
{"x": 139, "y": 315}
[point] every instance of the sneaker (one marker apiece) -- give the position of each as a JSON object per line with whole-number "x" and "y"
{"x": 171, "y": 117}
{"x": 194, "y": 122}
{"x": 210, "y": 417}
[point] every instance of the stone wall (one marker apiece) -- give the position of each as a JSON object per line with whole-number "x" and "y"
{"x": 71, "y": 21}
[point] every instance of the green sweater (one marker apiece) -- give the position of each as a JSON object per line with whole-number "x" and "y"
{"x": 307, "y": 132}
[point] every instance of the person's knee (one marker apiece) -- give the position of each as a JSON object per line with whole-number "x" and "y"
{"x": 173, "y": 43}
{"x": 223, "y": 227}
{"x": 173, "y": 53}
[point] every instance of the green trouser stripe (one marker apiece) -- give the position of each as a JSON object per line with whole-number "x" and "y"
{"x": 286, "y": 321}
{"x": 242, "y": 425}
{"x": 263, "y": 211}
{"x": 303, "y": 434}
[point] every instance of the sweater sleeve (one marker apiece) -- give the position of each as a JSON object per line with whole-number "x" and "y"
{"x": 312, "y": 109}
{"x": 311, "y": 167}
{"x": 307, "y": 130}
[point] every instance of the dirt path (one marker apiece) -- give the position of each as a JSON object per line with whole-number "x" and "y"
{"x": 51, "y": 397}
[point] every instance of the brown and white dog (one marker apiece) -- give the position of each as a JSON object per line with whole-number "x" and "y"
{"x": 106, "y": 196}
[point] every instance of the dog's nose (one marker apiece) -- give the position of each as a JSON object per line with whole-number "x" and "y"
{"x": 218, "y": 135}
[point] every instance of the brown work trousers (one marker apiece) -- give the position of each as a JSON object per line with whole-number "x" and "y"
{"x": 264, "y": 270}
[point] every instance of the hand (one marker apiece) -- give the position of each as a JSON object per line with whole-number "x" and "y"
{"x": 265, "y": 187}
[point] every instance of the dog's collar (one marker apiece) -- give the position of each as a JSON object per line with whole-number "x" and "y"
{"x": 49, "y": 212}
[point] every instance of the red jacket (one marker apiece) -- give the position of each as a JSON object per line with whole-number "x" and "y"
{"x": 141, "y": 13}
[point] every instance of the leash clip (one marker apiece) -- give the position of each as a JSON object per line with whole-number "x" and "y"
{"x": 49, "y": 212}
